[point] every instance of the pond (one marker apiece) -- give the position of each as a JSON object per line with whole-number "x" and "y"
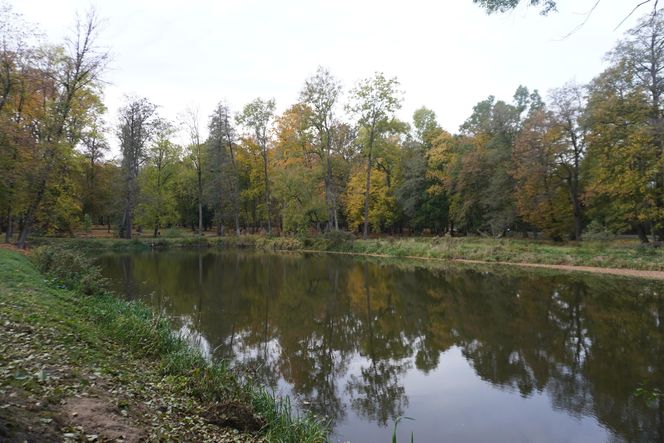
{"x": 472, "y": 354}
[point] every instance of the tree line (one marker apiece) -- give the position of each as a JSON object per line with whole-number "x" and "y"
{"x": 584, "y": 158}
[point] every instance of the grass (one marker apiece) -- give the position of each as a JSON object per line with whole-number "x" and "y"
{"x": 626, "y": 254}
{"x": 130, "y": 346}
{"x": 609, "y": 254}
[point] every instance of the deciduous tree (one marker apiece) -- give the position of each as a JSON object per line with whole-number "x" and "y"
{"x": 373, "y": 102}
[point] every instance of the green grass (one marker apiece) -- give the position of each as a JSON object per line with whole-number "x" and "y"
{"x": 103, "y": 330}
{"x": 610, "y": 253}
{"x": 93, "y": 245}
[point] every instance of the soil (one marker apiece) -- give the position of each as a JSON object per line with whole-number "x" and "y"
{"x": 99, "y": 417}
{"x": 234, "y": 415}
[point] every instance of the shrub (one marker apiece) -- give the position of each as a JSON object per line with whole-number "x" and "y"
{"x": 87, "y": 223}
{"x": 278, "y": 243}
{"x": 70, "y": 269}
{"x": 596, "y": 231}
{"x": 337, "y": 238}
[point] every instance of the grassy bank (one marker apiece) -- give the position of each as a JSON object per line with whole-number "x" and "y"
{"x": 623, "y": 254}
{"x": 615, "y": 254}
{"x": 79, "y": 367}
{"x": 94, "y": 245}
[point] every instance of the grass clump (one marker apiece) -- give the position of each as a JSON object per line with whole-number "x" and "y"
{"x": 69, "y": 269}
{"x": 278, "y": 243}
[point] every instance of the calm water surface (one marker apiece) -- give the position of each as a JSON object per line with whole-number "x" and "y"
{"x": 473, "y": 355}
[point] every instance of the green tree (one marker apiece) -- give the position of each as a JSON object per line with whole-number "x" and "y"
{"x": 69, "y": 72}
{"x": 320, "y": 94}
{"x": 297, "y": 176}
{"x": 540, "y": 190}
{"x": 94, "y": 146}
{"x": 568, "y": 107}
{"x": 422, "y": 208}
{"x": 257, "y": 117}
{"x": 157, "y": 201}
{"x": 373, "y": 102}
{"x": 621, "y": 162}
{"x": 222, "y": 146}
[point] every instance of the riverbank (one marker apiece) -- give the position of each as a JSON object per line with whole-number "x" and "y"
{"x": 77, "y": 367}
{"x": 618, "y": 257}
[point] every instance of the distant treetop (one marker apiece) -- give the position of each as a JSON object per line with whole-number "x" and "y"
{"x": 507, "y": 5}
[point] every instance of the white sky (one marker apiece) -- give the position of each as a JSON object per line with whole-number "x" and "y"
{"x": 447, "y": 54}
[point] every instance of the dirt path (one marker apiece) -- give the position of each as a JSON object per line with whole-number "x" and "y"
{"x": 652, "y": 275}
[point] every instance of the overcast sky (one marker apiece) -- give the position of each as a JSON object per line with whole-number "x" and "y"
{"x": 448, "y": 55}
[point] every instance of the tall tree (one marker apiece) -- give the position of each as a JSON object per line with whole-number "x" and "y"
{"x": 621, "y": 162}
{"x": 484, "y": 178}
{"x": 94, "y": 146}
{"x": 297, "y": 172}
{"x": 568, "y": 107}
{"x": 16, "y": 90}
{"x": 157, "y": 205}
{"x": 320, "y": 94}
{"x": 373, "y": 101}
{"x": 137, "y": 123}
{"x": 71, "y": 71}
{"x": 222, "y": 141}
{"x": 197, "y": 157}
{"x": 540, "y": 175}
{"x": 257, "y": 117}
{"x": 642, "y": 53}
{"x": 424, "y": 209}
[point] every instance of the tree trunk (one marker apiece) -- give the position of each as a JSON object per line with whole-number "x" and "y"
{"x": 368, "y": 188}
{"x": 267, "y": 192}
{"x": 330, "y": 201}
{"x": 127, "y": 224}
{"x": 641, "y": 231}
{"x": 235, "y": 191}
{"x": 10, "y": 226}
{"x": 200, "y": 217}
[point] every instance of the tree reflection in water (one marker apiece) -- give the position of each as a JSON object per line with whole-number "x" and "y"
{"x": 345, "y": 332}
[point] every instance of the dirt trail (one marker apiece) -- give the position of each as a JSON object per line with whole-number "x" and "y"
{"x": 652, "y": 275}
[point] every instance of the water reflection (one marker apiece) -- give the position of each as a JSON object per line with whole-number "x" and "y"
{"x": 348, "y": 337}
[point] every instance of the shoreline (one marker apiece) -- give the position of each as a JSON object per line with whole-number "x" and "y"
{"x": 77, "y": 363}
{"x": 622, "y": 272}
{"x": 597, "y": 258}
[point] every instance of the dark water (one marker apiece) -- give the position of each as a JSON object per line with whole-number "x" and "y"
{"x": 472, "y": 355}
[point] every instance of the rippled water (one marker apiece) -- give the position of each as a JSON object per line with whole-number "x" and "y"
{"x": 473, "y": 355}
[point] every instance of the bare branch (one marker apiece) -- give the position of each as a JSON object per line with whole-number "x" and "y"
{"x": 585, "y": 20}
{"x": 644, "y": 2}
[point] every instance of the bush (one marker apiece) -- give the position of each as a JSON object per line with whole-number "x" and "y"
{"x": 596, "y": 231}
{"x": 87, "y": 223}
{"x": 70, "y": 269}
{"x": 337, "y": 238}
{"x": 278, "y": 243}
